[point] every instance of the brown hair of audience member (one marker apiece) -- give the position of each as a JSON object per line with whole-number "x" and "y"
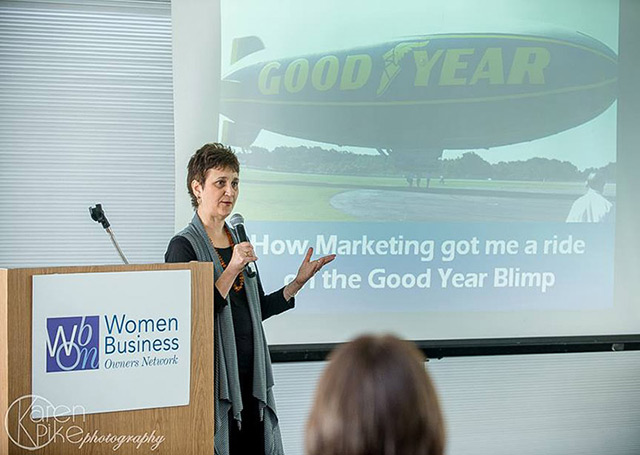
{"x": 375, "y": 398}
{"x": 209, "y": 156}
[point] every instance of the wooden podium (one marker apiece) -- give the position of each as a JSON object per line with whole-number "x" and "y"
{"x": 186, "y": 429}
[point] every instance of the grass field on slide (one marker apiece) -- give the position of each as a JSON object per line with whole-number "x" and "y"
{"x": 283, "y": 196}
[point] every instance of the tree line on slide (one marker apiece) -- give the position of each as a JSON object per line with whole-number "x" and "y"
{"x": 317, "y": 160}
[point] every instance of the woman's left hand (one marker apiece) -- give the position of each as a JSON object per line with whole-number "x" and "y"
{"x": 307, "y": 269}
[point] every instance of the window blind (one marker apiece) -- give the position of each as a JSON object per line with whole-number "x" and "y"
{"x": 86, "y": 116}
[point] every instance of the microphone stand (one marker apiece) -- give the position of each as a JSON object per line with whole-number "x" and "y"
{"x": 97, "y": 214}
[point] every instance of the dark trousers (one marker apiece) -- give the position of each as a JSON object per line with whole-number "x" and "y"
{"x": 249, "y": 440}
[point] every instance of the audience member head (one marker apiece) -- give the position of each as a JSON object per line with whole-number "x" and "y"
{"x": 375, "y": 398}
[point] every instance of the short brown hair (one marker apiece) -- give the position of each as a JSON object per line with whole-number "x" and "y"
{"x": 210, "y": 156}
{"x": 375, "y": 398}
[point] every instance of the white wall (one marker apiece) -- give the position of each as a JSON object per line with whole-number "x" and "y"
{"x": 550, "y": 404}
{"x": 196, "y": 80}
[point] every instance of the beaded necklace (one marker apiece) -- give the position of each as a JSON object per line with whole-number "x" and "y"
{"x": 239, "y": 281}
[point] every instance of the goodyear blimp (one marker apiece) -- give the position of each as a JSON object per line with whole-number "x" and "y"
{"x": 422, "y": 94}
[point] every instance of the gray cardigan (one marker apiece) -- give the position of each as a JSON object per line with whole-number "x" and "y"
{"x": 228, "y": 398}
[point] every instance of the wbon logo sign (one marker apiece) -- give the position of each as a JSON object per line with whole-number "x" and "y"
{"x": 73, "y": 343}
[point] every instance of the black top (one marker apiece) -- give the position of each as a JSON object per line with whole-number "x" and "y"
{"x": 180, "y": 250}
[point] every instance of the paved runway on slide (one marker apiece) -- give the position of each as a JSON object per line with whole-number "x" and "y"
{"x": 386, "y": 205}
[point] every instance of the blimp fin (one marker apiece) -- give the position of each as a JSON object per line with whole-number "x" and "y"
{"x": 241, "y": 47}
{"x": 238, "y": 135}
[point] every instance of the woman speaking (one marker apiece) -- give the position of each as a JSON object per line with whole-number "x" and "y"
{"x": 245, "y": 418}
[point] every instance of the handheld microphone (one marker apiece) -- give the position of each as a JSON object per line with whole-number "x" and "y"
{"x": 237, "y": 223}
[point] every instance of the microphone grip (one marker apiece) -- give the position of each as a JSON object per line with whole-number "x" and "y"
{"x": 250, "y": 268}
{"x": 241, "y": 233}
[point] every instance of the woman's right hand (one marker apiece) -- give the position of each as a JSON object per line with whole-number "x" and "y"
{"x": 243, "y": 253}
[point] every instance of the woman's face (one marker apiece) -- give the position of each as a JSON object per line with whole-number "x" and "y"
{"x": 218, "y": 194}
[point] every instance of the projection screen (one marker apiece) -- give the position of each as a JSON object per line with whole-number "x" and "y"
{"x": 459, "y": 157}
